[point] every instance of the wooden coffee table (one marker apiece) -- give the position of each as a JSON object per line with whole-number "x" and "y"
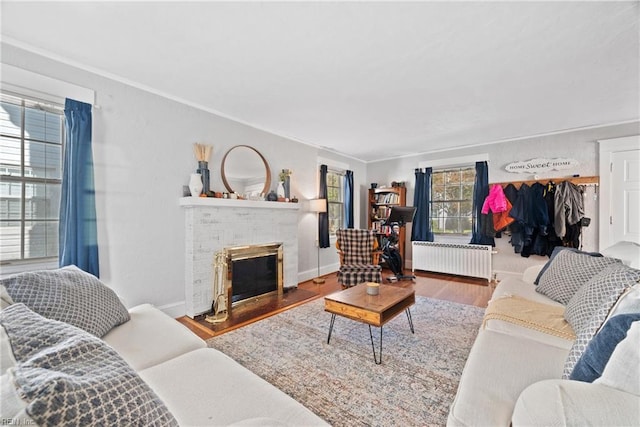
{"x": 374, "y": 310}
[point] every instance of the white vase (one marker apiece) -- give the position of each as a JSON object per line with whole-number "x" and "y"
{"x": 280, "y": 190}
{"x": 195, "y": 184}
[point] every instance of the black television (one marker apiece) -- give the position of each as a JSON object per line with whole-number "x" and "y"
{"x": 401, "y": 214}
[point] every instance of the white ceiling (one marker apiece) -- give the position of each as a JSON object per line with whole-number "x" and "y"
{"x": 371, "y": 80}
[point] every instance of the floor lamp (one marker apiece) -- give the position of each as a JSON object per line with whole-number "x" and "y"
{"x": 318, "y": 206}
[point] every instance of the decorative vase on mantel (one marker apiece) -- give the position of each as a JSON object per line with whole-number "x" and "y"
{"x": 287, "y": 187}
{"x": 272, "y": 196}
{"x": 280, "y": 191}
{"x": 195, "y": 184}
{"x": 285, "y": 179}
{"x": 203, "y": 170}
{"x": 202, "y": 153}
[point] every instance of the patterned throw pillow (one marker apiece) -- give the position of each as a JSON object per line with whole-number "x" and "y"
{"x": 69, "y": 295}
{"x": 555, "y": 252}
{"x": 66, "y": 376}
{"x": 568, "y": 272}
{"x": 590, "y": 306}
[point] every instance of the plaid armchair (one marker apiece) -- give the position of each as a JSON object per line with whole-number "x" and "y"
{"x": 359, "y": 257}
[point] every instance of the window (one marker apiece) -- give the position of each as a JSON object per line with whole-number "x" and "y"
{"x": 335, "y": 194}
{"x": 452, "y": 200}
{"x": 31, "y": 145}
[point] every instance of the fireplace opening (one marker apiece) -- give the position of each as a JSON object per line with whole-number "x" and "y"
{"x": 254, "y": 276}
{"x": 253, "y": 271}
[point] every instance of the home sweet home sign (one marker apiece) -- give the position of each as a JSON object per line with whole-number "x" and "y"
{"x": 541, "y": 165}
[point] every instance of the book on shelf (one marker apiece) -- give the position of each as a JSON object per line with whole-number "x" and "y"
{"x": 388, "y": 198}
{"x": 383, "y": 212}
{"x": 379, "y": 228}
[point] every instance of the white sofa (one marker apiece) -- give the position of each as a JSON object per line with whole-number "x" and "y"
{"x": 198, "y": 385}
{"x": 513, "y": 375}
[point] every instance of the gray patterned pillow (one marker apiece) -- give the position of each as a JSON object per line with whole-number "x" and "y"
{"x": 555, "y": 252}
{"x": 69, "y": 295}
{"x": 67, "y": 376}
{"x": 589, "y": 307}
{"x": 568, "y": 272}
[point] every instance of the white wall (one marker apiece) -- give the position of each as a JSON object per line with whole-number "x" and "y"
{"x": 143, "y": 154}
{"x": 580, "y": 145}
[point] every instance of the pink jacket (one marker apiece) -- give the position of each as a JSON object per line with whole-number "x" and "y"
{"x": 496, "y": 201}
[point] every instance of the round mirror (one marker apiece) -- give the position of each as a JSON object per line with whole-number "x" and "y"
{"x": 245, "y": 171}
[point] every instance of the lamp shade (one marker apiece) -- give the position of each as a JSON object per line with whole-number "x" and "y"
{"x": 318, "y": 205}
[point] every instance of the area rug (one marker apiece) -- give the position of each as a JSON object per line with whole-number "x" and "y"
{"x": 415, "y": 384}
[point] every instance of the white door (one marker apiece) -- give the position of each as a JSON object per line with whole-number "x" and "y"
{"x": 625, "y": 196}
{"x": 619, "y": 216}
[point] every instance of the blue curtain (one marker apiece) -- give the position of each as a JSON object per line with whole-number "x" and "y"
{"x": 421, "y": 227}
{"x": 78, "y": 231}
{"x": 480, "y": 192}
{"x": 323, "y": 217}
{"x": 348, "y": 200}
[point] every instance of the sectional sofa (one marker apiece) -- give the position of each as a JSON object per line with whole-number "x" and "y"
{"x": 559, "y": 346}
{"x": 73, "y": 355}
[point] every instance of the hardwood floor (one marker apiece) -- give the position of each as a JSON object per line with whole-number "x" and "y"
{"x": 464, "y": 290}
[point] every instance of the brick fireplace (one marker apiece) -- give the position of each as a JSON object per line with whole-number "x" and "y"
{"x": 213, "y": 224}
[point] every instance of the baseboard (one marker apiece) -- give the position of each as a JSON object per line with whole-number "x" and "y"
{"x": 303, "y": 276}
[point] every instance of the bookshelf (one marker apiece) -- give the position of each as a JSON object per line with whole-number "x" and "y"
{"x": 381, "y": 200}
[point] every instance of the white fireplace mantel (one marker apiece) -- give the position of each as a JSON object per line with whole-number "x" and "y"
{"x": 235, "y": 203}
{"x": 212, "y": 224}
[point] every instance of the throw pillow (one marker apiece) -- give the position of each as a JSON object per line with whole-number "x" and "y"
{"x": 69, "y": 295}
{"x": 68, "y": 376}
{"x": 555, "y": 252}
{"x": 568, "y": 272}
{"x": 5, "y": 299}
{"x": 592, "y": 306}
{"x": 615, "y": 279}
{"x": 629, "y": 302}
{"x": 595, "y": 357}
{"x": 623, "y": 370}
{"x": 6, "y": 354}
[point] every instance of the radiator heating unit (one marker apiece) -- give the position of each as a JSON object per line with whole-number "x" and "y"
{"x": 453, "y": 258}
